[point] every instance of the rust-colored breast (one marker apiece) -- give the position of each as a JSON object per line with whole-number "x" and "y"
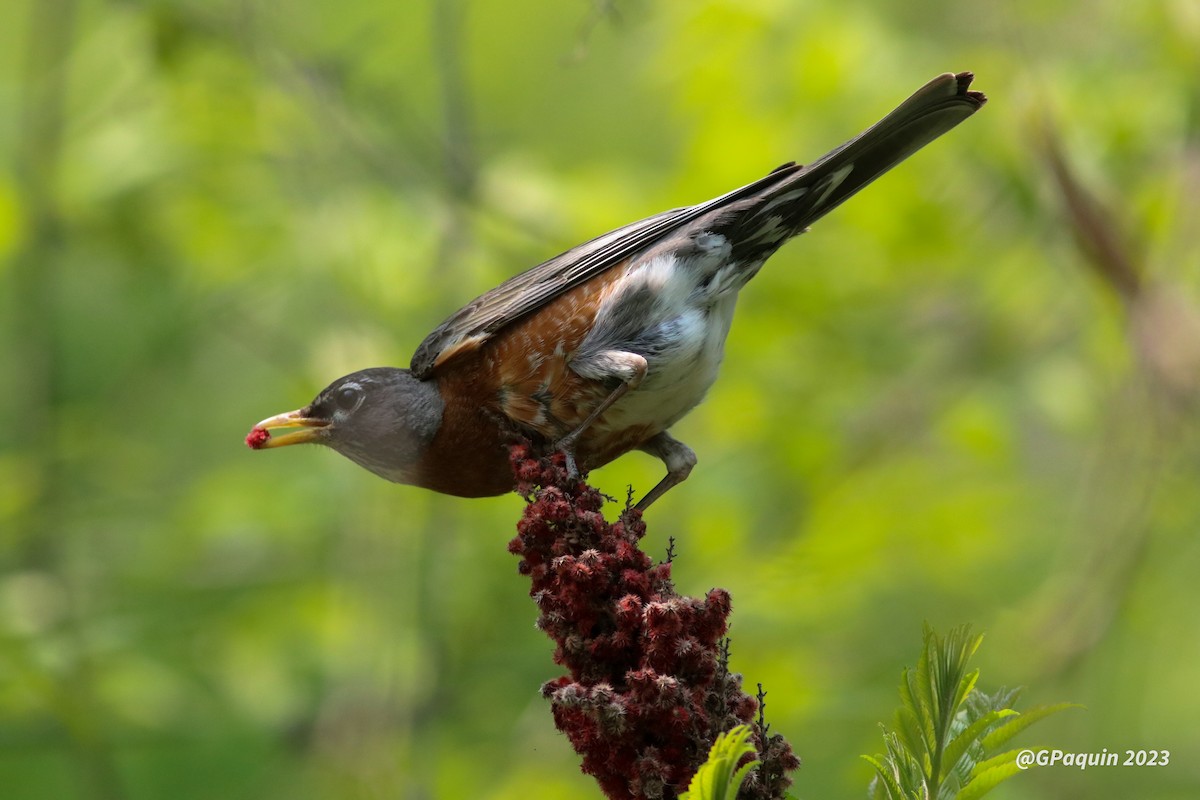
{"x": 520, "y": 383}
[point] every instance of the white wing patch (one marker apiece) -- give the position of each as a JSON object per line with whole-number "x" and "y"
{"x": 713, "y": 243}
{"x": 786, "y": 197}
{"x": 833, "y": 182}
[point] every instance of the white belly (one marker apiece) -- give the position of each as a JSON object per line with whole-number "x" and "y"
{"x": 676, "y": 314}
{"x": 677, "y": 381}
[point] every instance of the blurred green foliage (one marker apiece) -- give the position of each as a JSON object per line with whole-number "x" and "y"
{"x": 931, "y": 409}
{"x": 950, "y": 738}
{"x": 720, "y": 777}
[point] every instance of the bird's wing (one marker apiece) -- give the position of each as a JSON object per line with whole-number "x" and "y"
{"x": 756, "y": 218}
{"x": 473, "y": 324}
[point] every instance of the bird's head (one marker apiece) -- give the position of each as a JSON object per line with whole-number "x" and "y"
{"x": 382, "y": 419}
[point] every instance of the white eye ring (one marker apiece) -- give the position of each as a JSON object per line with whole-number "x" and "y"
{"x": 348, "y": 397}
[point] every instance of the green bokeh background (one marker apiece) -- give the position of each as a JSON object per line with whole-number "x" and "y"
{"x": 930, "y": 409}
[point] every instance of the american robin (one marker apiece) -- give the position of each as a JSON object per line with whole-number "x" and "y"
{"x": 602, "y": 349}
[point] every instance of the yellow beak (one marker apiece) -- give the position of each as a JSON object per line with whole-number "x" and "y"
{"x": 306, "y": 429}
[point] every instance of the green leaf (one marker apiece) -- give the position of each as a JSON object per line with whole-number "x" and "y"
{"x": 717, "y": 778}
{"x": 1007, "y": 730}
{"x": 922, "y": 684}
{"x": 950, "y": 684}
{"x": 885, "y": 778}
{"x": 911, "y": 733}
{"x": 993, "y": 762}
{"x": 950, "y": 656}
{"x": 980, "y": 702}
{"x": 900, "y": 774}
{"x": 965, "y": 685}
{"x": 959, "y": 745}
{"x": 947, "y": 730}
{"x": 915, "y": 696}
{"x": 987, "y": 775}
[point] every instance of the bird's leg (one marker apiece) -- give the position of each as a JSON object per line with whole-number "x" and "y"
{"x": 629, "y": 368}
{"x": 678, "y": 458}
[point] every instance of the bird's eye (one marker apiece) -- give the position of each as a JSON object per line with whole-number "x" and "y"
{"x": 347, "y": 397}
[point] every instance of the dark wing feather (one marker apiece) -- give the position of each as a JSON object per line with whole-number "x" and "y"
{"x": 523, "y": 294}
{"x": 755, "y": 217}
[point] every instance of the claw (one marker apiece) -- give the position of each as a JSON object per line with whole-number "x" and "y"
{"x": 572, "y": 467}
{"x": 679, "y": 460}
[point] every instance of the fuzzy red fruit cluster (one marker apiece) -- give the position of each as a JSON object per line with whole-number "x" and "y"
{"x": 648, "y": 689}
{"x": 257, "y": 437}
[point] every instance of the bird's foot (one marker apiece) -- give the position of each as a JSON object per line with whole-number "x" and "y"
{"x": 566, "y": 446}
{"x": 572, "y": 467}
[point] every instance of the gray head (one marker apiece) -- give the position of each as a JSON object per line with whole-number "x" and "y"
{"x": 381, "y": 418}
